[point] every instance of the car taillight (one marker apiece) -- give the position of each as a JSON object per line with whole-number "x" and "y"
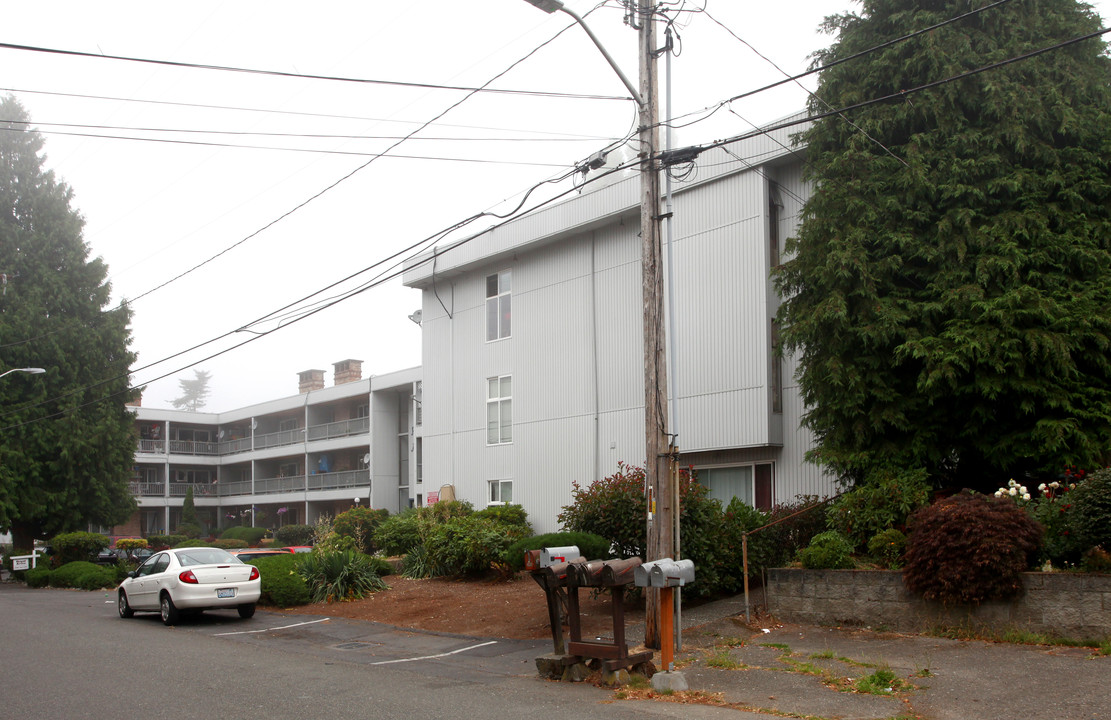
{"x": 188, "y": 577}
{"x": 254, "y": 573}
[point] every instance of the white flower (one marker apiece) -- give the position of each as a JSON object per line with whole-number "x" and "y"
{"x": 1041, "y": 488}
{"x": 1011, "y": 483}
{"x": 1025, "y": 496}
{"x": 1012, "y": 492}
{"x": 1054, "y": 484}
{"x": 999, "y": 492}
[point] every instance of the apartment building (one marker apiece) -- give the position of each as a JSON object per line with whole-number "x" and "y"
{"x": 533, "y": 343}
{"x": 289, "y": 460}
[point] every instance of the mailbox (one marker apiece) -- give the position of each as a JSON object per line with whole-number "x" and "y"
{"x": 664, "y": 573}
{"x": 551, "y": 556}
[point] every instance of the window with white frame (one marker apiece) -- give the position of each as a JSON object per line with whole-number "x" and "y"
{"x": 751, "y": 484}
{"x": 501, "y": 491}
{"x": 499, "y": 306}
{"x": 499, "y": 410}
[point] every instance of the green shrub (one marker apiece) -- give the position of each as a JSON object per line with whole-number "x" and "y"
{"x": 614, "y": 508}
{"x": 738, "y": 519}
{"x": 84, "y": 575}
{"x": 883, "y": 501}
{"x": 969, "y": 548}
{"x": 1096, "y": 560}
{"x": 189, "y": 530}
{"x": 1090, "y": 515}
{"x": 399, "y": 534}
{"x": 338, "y": 576}
{"x": 827, "y": 551}
{"x": 282, "y": 586}
{"x": 441, "y": 512}
{"x": 197, "y": 542}
{"x": 592, "y": 547}
{"x": 513, "y": 515}
{"x": 164, "y": 542}
{"x": 229, "y": 543}
{"x": 888, "y": 547}
{"x": 466, "y": 545}
{"x": 359, "y": 524}
{"x": 37, "y": 577}
{"x": 791, "y": 527}
{"x": 75, "y": 546}
{"x": 252, "y": 535}
{"x": 294, "y": 535}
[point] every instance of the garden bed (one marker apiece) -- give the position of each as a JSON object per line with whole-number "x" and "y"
{"x": 1063, "y": 605}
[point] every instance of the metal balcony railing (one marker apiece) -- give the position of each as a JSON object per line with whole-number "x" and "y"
{"x": 342, "y": 428}
{"x": 152, "y": 446}
{"x": 147, "y": 489}
{"x": 339, "y": 480}
{"x": 193, "y": 447}
{"x": 284, "y": 437}
{"x": 230, "y": 447}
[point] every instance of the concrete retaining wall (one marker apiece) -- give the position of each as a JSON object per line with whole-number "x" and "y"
{"x": 1068, "y": 605}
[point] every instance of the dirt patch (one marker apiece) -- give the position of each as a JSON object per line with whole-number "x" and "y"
{"x": 488, "y": 607}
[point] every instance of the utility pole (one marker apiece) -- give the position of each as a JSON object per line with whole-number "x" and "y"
{"x": 657, "y": 471}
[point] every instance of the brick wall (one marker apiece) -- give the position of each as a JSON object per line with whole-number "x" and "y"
{"x": 1072, "y": 605}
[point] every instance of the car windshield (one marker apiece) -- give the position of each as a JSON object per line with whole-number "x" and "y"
{"x": 205, "y": 556}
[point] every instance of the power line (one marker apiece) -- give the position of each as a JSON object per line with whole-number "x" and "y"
{"x": 295, "y": 113}
{"x": 354, "y": 153}
{"x": 301, "y": 76}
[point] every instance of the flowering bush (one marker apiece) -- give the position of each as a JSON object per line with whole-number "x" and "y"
{"x": 1014, "y": 490}
{"x": 1051, "y": 509}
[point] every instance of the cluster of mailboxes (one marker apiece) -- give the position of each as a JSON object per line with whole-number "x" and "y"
{"x": 664, "y": 572}
{"x": 575, "y": 570}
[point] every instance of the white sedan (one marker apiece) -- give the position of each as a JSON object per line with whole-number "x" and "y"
{"x": 191, "y": 580}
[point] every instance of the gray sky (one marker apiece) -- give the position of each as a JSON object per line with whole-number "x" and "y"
{"x": 156, "y": 209}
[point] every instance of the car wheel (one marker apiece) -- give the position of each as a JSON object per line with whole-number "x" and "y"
{"x": 246, "y": 611}
{"x": 123, "y": 606}
{"x": 168, "y": 609}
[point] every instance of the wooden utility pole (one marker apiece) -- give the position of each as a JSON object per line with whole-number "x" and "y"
{"x": 657, "y": 475}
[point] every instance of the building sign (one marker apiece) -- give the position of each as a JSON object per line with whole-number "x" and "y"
{"x": 432, "y": 498}
{"x": 21, "y": 563}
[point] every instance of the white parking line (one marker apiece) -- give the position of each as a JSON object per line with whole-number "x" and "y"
{"x": 433, "y": 657}
{"x": 283, "y": 627}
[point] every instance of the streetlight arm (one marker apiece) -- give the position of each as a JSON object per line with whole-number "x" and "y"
{"x": 32, "y": 371}
{"x": 550, "y": 6}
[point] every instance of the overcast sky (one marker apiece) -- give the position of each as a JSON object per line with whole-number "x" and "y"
{"x": 156, "y": 209}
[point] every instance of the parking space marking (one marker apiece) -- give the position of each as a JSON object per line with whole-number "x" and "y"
{"x": 433, "y": 657}
{"x": 283, "y": 627}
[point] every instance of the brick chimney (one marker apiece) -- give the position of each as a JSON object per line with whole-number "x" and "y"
{"x": 310, "y": 380}
{"x": 137, "y": 401}
{"x": 348, "y": 371}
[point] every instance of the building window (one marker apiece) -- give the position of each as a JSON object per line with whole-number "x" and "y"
{"x": 775, "y": 209}
{"x": 499, "y": 304}
{"x": 751, "y": 484}
{"x": 420, "y": 460}
{"x": 418, "y": 400}
{"x": 362, "y": 411}
{"x": 499, "y": 410}
{"x": 501, "y": 491}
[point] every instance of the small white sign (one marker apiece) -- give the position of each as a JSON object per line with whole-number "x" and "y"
{"x": 21, "y": 564}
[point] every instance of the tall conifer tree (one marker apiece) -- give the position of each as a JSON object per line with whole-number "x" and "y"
{"x": 66, "y": 444}
{"x": 950, "y": 287}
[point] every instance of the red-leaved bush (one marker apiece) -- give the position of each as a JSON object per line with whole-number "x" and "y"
{"x": 969, "y": 548}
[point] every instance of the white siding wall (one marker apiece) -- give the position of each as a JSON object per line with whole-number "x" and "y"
{"x": 576, "y": 350}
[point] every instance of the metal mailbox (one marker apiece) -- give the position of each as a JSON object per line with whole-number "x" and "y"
{"x": 664, "y": 572}
{"x": 552, "y": 555}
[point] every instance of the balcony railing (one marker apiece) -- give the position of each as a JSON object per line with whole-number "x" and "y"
{"x": 284, "y": 437}
{"x": 193, "y": 447}
{"x": 147, "y": 489}
{"x": 152, "y": 446}
{"x": 339, "y": 480}
{"x": 343, "y": 428}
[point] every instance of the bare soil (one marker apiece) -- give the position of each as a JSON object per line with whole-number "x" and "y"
{"x": 486, "y": 607}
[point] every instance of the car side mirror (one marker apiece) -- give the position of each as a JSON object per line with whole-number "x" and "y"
{"x": 133, "y": 573}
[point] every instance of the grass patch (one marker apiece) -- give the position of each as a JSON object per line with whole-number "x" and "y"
{"x": 778, "y": 646}
{"x": 823, "y": 655}
{"x": 881, "y": 682}
{"x": 724, "y": 661}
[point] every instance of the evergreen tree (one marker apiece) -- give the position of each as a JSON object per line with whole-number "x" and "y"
{"x": 950, "y": 288}
{"x": 194, "y": 393}
{"x": 67, "y": 443}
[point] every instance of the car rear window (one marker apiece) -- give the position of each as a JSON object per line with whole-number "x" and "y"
{"x": 205, "y": 556}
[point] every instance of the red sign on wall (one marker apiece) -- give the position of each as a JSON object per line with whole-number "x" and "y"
{"x": 432, "y": 497}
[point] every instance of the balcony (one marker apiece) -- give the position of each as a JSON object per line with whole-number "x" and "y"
{"x": 152, "y": 446}
{"x": 193, "y": 447}
{"x": 343, "y": 428}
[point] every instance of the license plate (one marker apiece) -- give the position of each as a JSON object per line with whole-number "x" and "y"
{"x": 225, "y": 592}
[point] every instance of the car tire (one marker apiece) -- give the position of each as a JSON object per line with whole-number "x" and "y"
{"x": 123, "y": 606}
{"x": 168, "y": 610}
{"x": 246, "y": 611}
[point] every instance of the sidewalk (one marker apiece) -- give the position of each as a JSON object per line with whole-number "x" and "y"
{"x": 807, "y": 671}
